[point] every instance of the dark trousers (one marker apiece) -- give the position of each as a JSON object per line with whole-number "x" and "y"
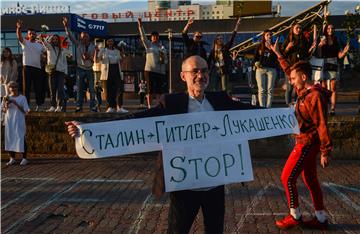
{"x": 32, "y": 75}
{"x": 56, "y": 86}
{"x": 142, "y": 97}
{"x": 114, "y": 87}
{"x": 184, "y": 206}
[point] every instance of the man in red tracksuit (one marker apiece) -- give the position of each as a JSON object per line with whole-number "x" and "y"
{"x": 311, "y": 113}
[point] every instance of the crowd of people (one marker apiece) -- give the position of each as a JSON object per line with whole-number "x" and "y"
{"x": 201, "y": 72}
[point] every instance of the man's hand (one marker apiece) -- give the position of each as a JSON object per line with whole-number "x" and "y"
{"x": 190, "y": 22}
{"x": 289, "y": 46}
{"x": 139, "y": 20}
{"x": 324, "y": 160}
{"x": 237, "y": 24}
{"x": 275, "y": 48}
{"x": 72, "y": 128}
{"x": 18, "y": 24}
{"x": 65, "y": 22}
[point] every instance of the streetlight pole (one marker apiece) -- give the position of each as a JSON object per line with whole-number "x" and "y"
{"x": 170, "y": 35}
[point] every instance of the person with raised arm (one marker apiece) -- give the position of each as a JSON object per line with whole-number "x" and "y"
{"x": 194, "y": 46}
{"x": 85, "y": 51}
{"x": 155, "y": 66}
{"x": 314, "y": 138}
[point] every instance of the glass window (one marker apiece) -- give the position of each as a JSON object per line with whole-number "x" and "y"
{"x": 10, "y": 36}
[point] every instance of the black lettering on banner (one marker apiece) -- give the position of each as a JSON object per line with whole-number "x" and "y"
{"x": 108, "y": 141}
{"x": 283, "y": 120}
{"x": 206, "y": 167}
{"x": 266, "y": 120}
{"x": 236, "y": 125}
{"x": 82, "y": 140}
{"x": 206, "y": 128}
{"x": 140, "y": 136}
{"x": 292, "y": 120}
{"x": 243, "y": 126}
{"x": 197, "y": 130}
{"x": 252, "y": 125}
{"x": 182, "y": 159}
{"x": 129, "y": 138}
{"x": 260, "y": 124}
{"x": 196, "y": 166}
{"x": 189, "y": 136}
{"x": 241, "y": 159}
{"x": 226, "y": 122}
{"x": 275, "y": 123}
{"x": 179, "y": 129}
{"x": 157, "y": 130}
{"x": 100, "y": 139}
{"x": 169, "y": 134}
{"x": 226, "y": 165}
{"x": 120, "y": 134}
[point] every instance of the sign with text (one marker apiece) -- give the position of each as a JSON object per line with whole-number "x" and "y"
{"x": 93, "y": 27}
{"x": 206, "y": 165}
{"x": 115, "y": 138}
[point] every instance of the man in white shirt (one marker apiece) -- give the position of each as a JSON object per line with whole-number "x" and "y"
{"x": 32, "y": 52}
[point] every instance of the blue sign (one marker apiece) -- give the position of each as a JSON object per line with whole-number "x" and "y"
{"x": 93, "y": 27}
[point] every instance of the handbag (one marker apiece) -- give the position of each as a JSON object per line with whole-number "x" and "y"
{"x": 51, "y": 68}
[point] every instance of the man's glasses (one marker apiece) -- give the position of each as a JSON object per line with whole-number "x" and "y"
{"x": 198, "y": 36}
{"x": 195, "y": 72}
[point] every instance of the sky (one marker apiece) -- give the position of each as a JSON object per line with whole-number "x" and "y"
{"x": 289, "y": 8}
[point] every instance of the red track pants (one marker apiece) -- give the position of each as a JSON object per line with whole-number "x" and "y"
{"x": 302, "y": 160}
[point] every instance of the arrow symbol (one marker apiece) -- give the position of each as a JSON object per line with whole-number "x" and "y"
{"x": 150, "y": 135}
{"x": 216, "y": 128}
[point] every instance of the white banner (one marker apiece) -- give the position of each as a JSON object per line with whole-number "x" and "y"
{"x": 115, "y": 138}
{"x": 206, "y": 165}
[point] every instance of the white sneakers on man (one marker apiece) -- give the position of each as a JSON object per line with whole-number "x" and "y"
{"x": 122, "y": 110}
{"x": 23, "y": 162}
{"x": 110, "y": 110}
{"x": 51, "y": 109}
{"x": 11, "y": 162}
{"x": 58, "y": 109}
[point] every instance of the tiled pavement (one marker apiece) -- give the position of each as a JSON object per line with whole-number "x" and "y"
{"x": 114, "y": 196}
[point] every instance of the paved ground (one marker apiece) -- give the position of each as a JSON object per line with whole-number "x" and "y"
{"x": 113, "y": 196}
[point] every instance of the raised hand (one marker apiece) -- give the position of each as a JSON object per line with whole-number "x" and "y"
{"x": 237, "y": 24}
{"x": 139, "y": 20}
{"x": 190, "y": 21}
{"x": 19, "y": 23}
{"x": 275, "y": 47}
{"x": 65, "y": 22}
{"x": 289, "y": 46}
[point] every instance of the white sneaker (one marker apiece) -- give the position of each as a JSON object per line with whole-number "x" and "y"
{"x": 51, "y": 109}
{"x": 23, "y": 162}
{"x": 58, "y": 109}
{"x": 11, "y": 162}
{"x": 110, "y": 110}
{"x": 122, "y": 110}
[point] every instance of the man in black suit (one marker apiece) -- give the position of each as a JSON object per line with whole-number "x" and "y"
{"x": 185, "y": 204}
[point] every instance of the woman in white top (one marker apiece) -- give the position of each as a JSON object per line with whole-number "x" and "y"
{"x": 56, "y": 56}
{"x": 110, "y": 58}
{"x": 15, "y": 107}
{"x": 9, "y": 70}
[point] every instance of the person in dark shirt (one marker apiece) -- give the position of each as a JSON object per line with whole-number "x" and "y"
{"x": 329, "y": 49}
{"x": 194, "y": 46}
{"x": 265, "y": 63}
{"x": 220, "y": 61}
{"x": 294, "y": 49}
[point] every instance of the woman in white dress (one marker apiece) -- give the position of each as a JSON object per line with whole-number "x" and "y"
{"x": 15, "y": 107}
